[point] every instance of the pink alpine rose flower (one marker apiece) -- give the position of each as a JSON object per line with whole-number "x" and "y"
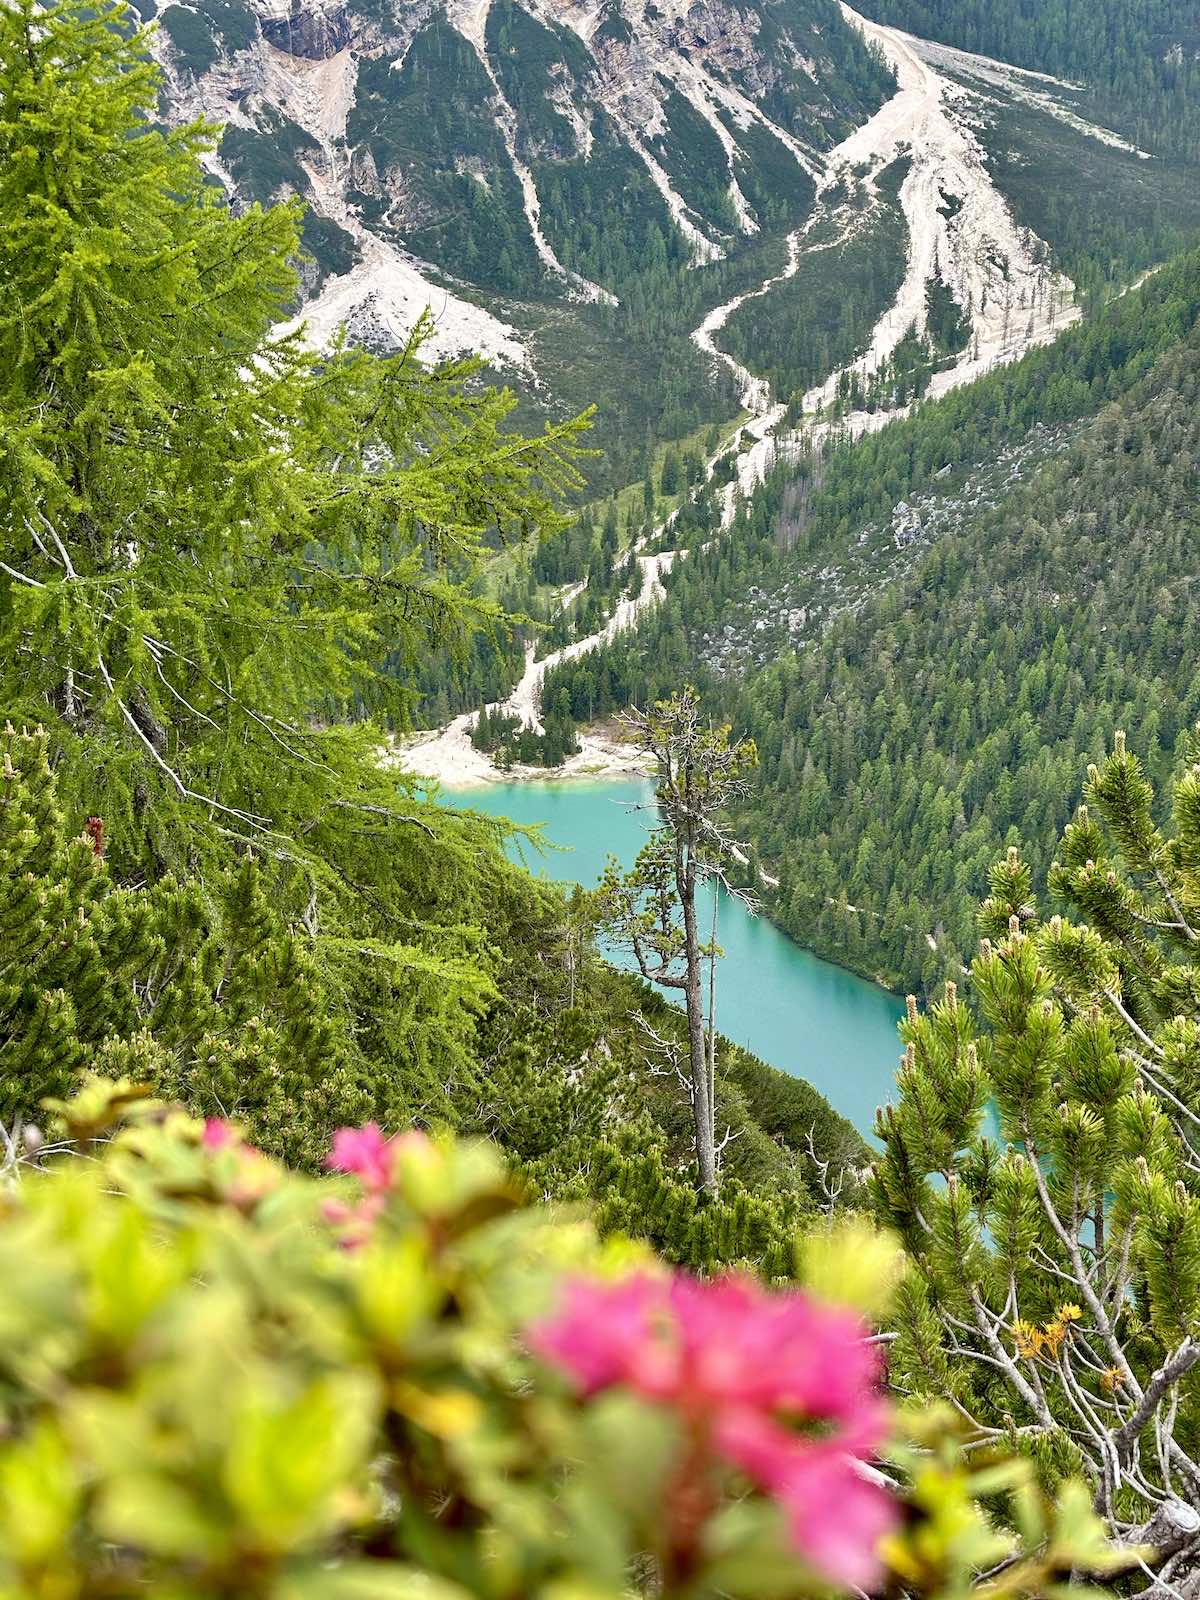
{"x": 365, "y": 1152}
{"x": 747, "y": 1372}
{"x": 244, "y": 1174}
{"x": 218, "y": 1134}
{"x": 372, "y": 1159}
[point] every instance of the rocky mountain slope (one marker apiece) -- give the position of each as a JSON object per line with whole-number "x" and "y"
{"x": 482, "y": 146}
{"x": 672, "y": 209}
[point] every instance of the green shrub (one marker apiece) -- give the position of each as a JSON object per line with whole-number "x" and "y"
{"x": 217, "y": 1379}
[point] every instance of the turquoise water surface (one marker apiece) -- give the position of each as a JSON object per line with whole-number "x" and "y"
{"x": 799, "y": 1013}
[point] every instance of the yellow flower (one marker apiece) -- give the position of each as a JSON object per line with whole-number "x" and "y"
{"x": 1052, "y": 1338}
{"x": 1028, "y": 1340}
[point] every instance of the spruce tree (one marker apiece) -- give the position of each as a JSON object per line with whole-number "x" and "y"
{"x": 1056, "y": 1291}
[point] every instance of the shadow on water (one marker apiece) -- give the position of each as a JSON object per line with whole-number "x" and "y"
{"x": 801, "y": 1014}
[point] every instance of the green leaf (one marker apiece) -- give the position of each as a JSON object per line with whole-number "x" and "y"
{"x": 40, "y": 1496}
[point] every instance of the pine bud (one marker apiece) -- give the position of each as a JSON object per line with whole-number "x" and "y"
{"x": 985, "y": 949}
{"x": 1119, "y": 743}
{"x": 911, "y": 1003}
{"x": 951, "y": 994}
{"x": 1014, "y": 925}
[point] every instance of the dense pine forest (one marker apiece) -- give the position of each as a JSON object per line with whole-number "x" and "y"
{"x": 1006, "y": 658}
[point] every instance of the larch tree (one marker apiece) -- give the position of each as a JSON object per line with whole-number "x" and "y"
{"x": 212, "y": 540}
{"x": 654, "y": 911}
{"x": 1056, "y": 1291}
{"x": 218, "y": 550}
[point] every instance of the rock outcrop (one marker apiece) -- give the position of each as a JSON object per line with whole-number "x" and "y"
{"x": 308, "y": 28}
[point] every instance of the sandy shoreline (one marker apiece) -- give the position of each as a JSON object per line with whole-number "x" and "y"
{"x": 447, "y": 756}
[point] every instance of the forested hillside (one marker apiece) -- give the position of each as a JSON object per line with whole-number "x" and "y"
{"x": 1140, "y": 59}
{"x": 945, "y": 716}
{"x": 928, "y": 631}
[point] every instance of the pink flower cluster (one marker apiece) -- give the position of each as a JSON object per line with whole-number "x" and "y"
{"x": 747, "y": 1371}
{"x": 248, "y": 1174}
{"x": 371, "y": 1157}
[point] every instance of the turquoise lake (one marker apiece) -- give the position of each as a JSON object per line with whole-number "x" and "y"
{"x": 799, "y": 1013}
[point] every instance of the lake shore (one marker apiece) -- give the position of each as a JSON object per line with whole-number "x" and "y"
{"x": 805, "y": 1015}
{"x": 447, "y": 756}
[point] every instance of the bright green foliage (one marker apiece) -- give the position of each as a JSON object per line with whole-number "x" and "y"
{"x": 1056, "y": 1294}
{"x": 204, "y": 988}
{"x": 216, "y": 551}
{"x": 637, "y": 1195}
{"x": 208, "y": 538}
{"x": 204, "y": 1395}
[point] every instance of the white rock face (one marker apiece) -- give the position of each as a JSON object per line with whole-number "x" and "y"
{"x": 959, "y": 226}
{"x": 305, "y": 65}
{"x": 313, "y": 29}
